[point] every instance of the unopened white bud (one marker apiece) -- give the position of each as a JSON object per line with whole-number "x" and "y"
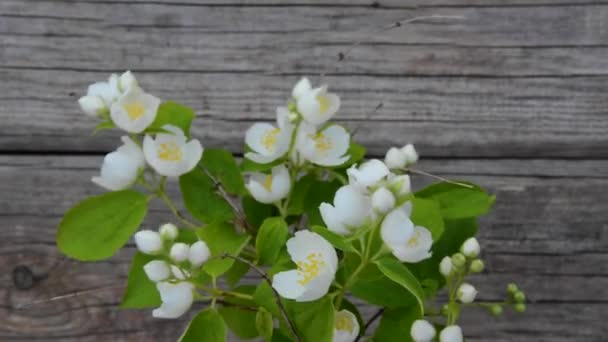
{"x": 178, "y": 273}
{"x": 445, "y": 266}
{"x": 168, "y": 231}
{"x": 179, "y": 252}
{"x": 411, "y": 156}
{"x": 157, "y": 270}
{"x": 466, "y": 293}
{"x": 92, "y": 105}
{"x": 199, "y": 253}
{"x": 422, "y": 331}
{"x": 395, "y": 158}
{"x": 127, "y": 81}
{"x": 470, "y": 248}
{"x": 451, "y": 333}
{"x": 383, "y": 200}
{"x": 148, "y": 241}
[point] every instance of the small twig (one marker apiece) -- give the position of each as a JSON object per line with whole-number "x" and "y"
{"x": 370, "y": 322}
{"x": 263, "y": 274}
{"x": 469, "y": 186}
{"x": 66, "y": 296}
{"x": 367, "y": 117}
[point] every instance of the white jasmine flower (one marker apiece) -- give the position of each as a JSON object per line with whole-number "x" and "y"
{"x": 470, "y": 248}
{"x": 176, "y": 299}
{"x": 135, "y": 110}
{"x": 467, "y": 293}
{"x": 168, "y": 231}
{"x": 92, "y": 105}
{"x": 170, "y": 154}
{"x": 199, "y": 253}
{"x": 445, "y": 266}
{"x": 148, "y": 241}
{"x": 316, "y": 262}
{"x": 350, "y": 210}
{"x": 422, "y": 331}
{"x": 452, "y": 333}
{"x": 346, "y": 327}
{"x": 269, "y": 188}
{"x": 100, "y": 96}
{"x": 179, "y": 252}
{"x": 398, "y": 158}
{"x": 317, "y": 106}
{"x": 383, "y": 200}
{"x": 301, "y": 88}
{"x": 328, "y": 147}
{"x": 120, "y": 168}
{"x": 407, "y": 242}
{"x": 367, "y": 174}
{"x": 268, "y": 142}
{"x": 157, "y": 270}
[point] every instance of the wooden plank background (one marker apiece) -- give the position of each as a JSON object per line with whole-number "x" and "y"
{"x": 514, "y": 97}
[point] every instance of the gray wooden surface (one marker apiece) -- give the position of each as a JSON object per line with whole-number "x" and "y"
{"x": 515, "y": 98}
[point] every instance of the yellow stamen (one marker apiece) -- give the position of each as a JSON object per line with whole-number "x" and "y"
{"x": 323, "y": 103}
{"x": 310, "y": 268}
{"x": 269, "y": 139}
{"x": 343, "y": 322}
{"x": 413, "y": 242}
{"x": 135, "y": 110}
{"x": 170, "y": 152}
{"x": 268, "y": 183}
{"x": 322, "y": 143}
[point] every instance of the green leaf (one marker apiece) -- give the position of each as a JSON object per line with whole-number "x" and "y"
{"x": 426, "y": 213}
{"x": 221, "y": 238}
{"x": 264, "y": 323}
{"x": 222, "y": 165}
{"x": 299, "y": 193}
{"x": 257, "y": 212}
{"x": 172, "y": 113}
{"x": 399, "y": 273}
{"x": 102, "y": 126}
{"x": 392, "y": 294}
{"x": 356, "y": 153}
{"x": 458, "y": 202}
{"x": 314, "y": 320}
{"x": 207, "y": 326}
{"x": 336, "y": 240}
{"x": 323, "y": 192}
{"x": 264, "y": 296}
{"x": 270, "y": 239}
{"x": 396, "y": 324}
{"x": 97, "y": 227}
{"x": 242, "y": 322}
{"x": 236, "y": 272}
{"x": 141, "y": 292}
{"x": 201, "y": 199}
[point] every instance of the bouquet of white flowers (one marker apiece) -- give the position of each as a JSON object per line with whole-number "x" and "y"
{"x": 303, "y": 211}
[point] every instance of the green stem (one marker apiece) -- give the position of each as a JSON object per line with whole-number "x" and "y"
{"x": 349, "y": 282}
{"x": 174, "y": 210}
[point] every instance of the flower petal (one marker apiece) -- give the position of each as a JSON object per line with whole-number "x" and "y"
{"x": 286, "y": 284}
{"x": 396, "y": 229}
{"x": 333, "y": 220}
{"x": 261, "y": 138}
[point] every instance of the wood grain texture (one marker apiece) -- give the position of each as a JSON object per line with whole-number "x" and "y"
{"x": 529, "y": 238}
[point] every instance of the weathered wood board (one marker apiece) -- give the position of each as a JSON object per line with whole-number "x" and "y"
{"x": 514, "y": 97}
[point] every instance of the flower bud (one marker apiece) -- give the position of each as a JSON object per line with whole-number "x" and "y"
{"x": 395, "y": 158}
{"x": 411, "y": 156}
{"x": 383, "y": 200}
{"x": 178, "y": 273}
{"x": 92, "y": 105}
{"x": 168, "y": 231}
{"x": 470, "y": 248}
{"x": 422, "y": 331}
{"x": 521, "y": 307}
{"x": 400, "y": 185}
{"x": 127, "y": 81}
{"x": 292, "y": 117}
{"x": 199, "y": 253}
{"x": 148, "y": 241}
{"x": 477, "y": 266}
{"x": 458, "y": 260}
{"x": 445, "y": 266}
{"x": 519, "y": 297}
{"x": 451, "y": 333}
{"x": 179, "y": 252}
{"x": 496, "y": 310}
{"x": 466, "y": 293}
{"x": 157, "y": 270}
{"x": 512, "y": 288}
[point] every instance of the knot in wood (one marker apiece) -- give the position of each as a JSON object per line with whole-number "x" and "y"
{"x": 23, "y": 277}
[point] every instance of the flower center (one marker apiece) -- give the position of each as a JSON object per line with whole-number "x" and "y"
{"x": 413, "y": 242}
{"x": 268, "y": 183}
{"x": 322, "y": 143}
{"x": 135, "y": 110}
{"x": 269, "y": 139}
{"x": 343, "y": 322}
{"x": 323, "y": 103}
{"x": 170, "y": 152}
{"x": 310, "y": 268}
